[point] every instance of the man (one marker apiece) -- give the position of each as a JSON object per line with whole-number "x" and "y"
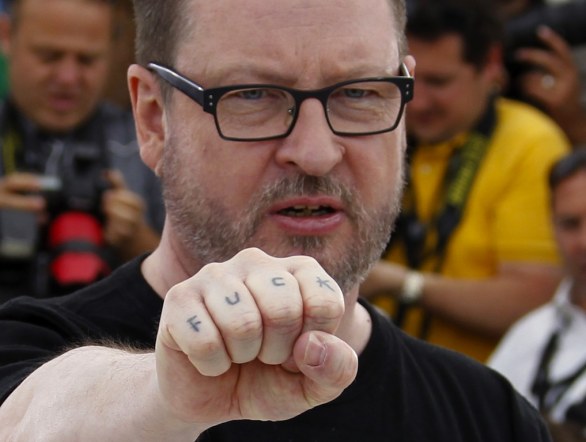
{"x": 53, "y": 125}
{"x": 543, "y": 354}
{"x": 472, "y": 251}
{"x": 281, "y": 177}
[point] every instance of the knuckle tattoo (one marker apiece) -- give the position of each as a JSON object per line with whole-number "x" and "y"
{"x": 327, "y": 283}
{"x": 235, "y": 300}
{"x": 195, "y": 323}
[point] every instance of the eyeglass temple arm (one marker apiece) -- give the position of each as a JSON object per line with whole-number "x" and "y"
{"x": 186, "y": 86}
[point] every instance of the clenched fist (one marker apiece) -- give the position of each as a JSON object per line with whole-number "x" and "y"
{"x": 252, "y": 338}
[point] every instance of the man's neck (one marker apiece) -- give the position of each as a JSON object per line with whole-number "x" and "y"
{"x": 578, "y": 295}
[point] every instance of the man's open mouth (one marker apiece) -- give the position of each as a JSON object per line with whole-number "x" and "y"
{"x": 306, "y": 211}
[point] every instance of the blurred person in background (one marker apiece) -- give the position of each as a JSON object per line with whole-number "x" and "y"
{"x": 543, "y": 354}
{"x": 75, "y": 198}
{"x": 472, "y": 250}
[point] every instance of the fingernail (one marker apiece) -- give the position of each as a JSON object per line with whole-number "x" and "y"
{"x": 315, "y": 352}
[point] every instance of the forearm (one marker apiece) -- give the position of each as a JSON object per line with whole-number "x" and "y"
{"x": 490, "y": 306}
{"x": 88, "y": 394}
{"x": 487, "y": 305}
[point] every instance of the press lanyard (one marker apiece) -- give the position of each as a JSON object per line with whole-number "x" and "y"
{"x": 461, "y": 171}
{"x": 549, "y": 392}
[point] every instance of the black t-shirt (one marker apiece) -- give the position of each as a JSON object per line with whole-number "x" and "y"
{"x": 405, "y": 390}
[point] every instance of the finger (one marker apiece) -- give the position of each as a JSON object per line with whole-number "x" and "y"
{"x": 21, "y": 183}
{"x": 533, "y": 86}
{"x": 187, "y": 326}
{"x": 122, "y": 204}
{"x": 18, "y": 191}
{"x": 541, "y": 59}
{"x": 328, "y": 363}
{"x": 28, "y": 203}
{"x": 323, "y": 300}
{"x": 235, "y": 313}
{"x": 556, "y": 43}
{"x": 115, "y": 179}
{"x": 279, "y": 302}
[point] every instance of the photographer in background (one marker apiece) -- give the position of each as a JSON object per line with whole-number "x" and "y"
{"x": 75, "y": 199}
{"x": 546, "y": 53}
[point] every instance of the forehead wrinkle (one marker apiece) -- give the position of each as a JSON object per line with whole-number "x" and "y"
{"x": 294, "y": 46}
{"x": 279, "y": 36}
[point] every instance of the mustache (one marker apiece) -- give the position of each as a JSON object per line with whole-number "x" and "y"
{"x": 306, "y": 185}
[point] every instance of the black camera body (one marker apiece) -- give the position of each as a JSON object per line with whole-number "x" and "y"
{"x": 80, "y": 183}
{"x": 66, "y": 252}
{"x": 568, "y": 20}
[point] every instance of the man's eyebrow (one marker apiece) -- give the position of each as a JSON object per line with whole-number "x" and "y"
{"x": 255, "y": 74}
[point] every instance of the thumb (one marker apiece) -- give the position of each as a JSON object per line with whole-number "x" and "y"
{"x": 328, "y": 363}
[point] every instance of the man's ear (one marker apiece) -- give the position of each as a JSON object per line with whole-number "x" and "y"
{"x": 410, "y": 63}
{"x": 494, "y": 67}
{"x": 5, "y": 34}
{"x": 147, "y": 106}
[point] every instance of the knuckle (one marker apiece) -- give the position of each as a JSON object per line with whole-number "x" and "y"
{"x": 203, "y": 349}
{"x": 307, "y": 261}
{"x": 248, "y": 326}
{"x": 325, "y": 311}
{"x": 213, "y": 271}
{"x": 250, "y": 253}
{"x": 284, "y": 318}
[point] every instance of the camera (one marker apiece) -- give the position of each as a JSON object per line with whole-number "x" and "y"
{"x": 67, "y": 251}
{"x": 567, "y": 19}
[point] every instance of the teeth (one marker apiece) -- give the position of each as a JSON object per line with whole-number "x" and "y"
{"x": 304, "y": 211}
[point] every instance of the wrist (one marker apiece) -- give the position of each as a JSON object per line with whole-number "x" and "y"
{"x": 412, "y": 287}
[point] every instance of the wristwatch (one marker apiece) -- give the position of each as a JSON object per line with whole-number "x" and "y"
{"x": 412, "y": 288}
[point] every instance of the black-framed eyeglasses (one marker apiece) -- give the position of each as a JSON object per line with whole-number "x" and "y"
{"x": 256, "y": 112}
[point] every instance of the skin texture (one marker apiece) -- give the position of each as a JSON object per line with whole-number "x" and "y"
{"x": 265, "y": 334}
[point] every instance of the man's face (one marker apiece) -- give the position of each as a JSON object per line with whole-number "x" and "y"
{"x": 311, "y": 193}
{"x": 569, "y": 218}
{"x": 450, "y": 94}
{"x": 58, "y": 60}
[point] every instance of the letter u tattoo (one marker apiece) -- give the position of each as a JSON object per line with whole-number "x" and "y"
{"x": 235, "y": 300}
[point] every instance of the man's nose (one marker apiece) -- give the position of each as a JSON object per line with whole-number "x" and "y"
{"x": 68, "y": 71}
{"x": 312, "y": 146}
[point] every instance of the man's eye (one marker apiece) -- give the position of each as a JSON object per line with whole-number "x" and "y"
{"x": 47, "y": 56}
{"x": 253, "y": 94}
{"x": 355, "y": 93}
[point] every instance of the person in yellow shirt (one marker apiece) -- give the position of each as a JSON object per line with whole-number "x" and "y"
{"x": 473, "y": 249}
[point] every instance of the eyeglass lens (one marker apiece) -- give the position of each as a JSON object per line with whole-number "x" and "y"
{"x": 355, "y": 108}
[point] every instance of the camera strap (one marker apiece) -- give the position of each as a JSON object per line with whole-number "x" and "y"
{"x": 26, "y": 148}
{"x": 425, "y": 242}
{"x": 549, "y": 392}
